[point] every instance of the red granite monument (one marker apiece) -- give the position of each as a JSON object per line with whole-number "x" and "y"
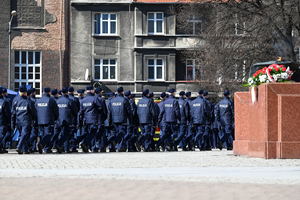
{"x": 269, "y": 127}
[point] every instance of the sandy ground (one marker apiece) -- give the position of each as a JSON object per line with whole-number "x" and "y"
{"x": 160, "y": 175}
{"x": 53, "y": 188}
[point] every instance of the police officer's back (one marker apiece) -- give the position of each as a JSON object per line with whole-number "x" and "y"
{"x": 5, "y": 116}
{"x": 67, "y": 110}
{"x": 145, "y": 109}
{"x": 120, "y": 108}
{"x": 198, "y": 110}
{"x": 170, "y": 109}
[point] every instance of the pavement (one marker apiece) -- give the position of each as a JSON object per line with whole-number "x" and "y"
{"x": 155, "y": 175}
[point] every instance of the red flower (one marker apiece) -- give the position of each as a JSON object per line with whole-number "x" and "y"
{"x": 284, "y": 69}
{"x": 277, "y": 69}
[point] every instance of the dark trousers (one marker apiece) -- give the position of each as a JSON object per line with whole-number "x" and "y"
{"x": 33, "y": 138}
{"x": 146, "y": 129}
{"x": 206, "y": 136}
{"x": 120, "y": 133}
{"x": 2, "y": 135}
{"x": 47, "y": 132}
{"x": 171, "y": 129}
{"x": 200, "y": 129}
{"x": 225, "y": 133}
{"x": 190, "y": 135}
{"x": 129, "y": 138}
{"x": 55, "y": 136}
{"x": 88, "y": 135}
{"x": 7, "y": 137}
{"x": 97, "y": 141}
{"x": 23, "y": 139}
{"x": 181, "y": 134}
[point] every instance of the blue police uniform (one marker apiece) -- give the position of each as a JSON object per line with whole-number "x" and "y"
{"x": 215, "y": 128}
{"x": 7, "y": 139}
{"x": 34, "y": 130}
{"x": 184, "y": 113}
{"x": 5, "y": 118}
{"x": 100, "y": 138}
{"x": 81, "y": 130}
{"x": 129, "y": 134}
{"x": 225, "y": 117}
{"x": 171, "y": 111}
{"x": 90, "y": 107}
{"x": 47, "y": 114}
{"x": 134, "y": 137}
{"x": 110, "y": 131}
{"x": 120, "y": 110}
{"x": 190, "y": 129}
{"x": 67, "y": 110}
{"x": 147, "y": 114}
{"x": 23, "y": 114}
{"x": 162, "y": 124}
{"x": 72, "y": 140}
{"x": 198, "y": 119}
{"x": 207, "y": 133}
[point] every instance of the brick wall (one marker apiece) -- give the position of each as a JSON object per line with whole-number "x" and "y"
{"x": 51, "y": 40}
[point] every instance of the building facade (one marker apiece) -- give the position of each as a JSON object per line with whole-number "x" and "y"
{"x": 134, "y": 44}
{"x": 39, "y": 43}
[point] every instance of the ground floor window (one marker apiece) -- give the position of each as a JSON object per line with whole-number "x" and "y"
{"x": 27, "y": 70}
{"x": 192, "y": 69}
{"x": 105, "y": 69}
{"x": 155, "y": 69}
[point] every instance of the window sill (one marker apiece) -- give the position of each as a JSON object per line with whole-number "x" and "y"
{"x": 28, "y": 28}
{"x": 99, "y": 36}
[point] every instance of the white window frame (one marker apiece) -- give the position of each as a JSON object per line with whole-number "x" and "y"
{"x": 155, "y": 66}
{"x": 194, "y": 21}
{"x": 194, "y": 66}
{"x": 155, "y": 21}
{"x": 27, "y": 65}
{"x": 101, "y": 69}
{"x": 109, "y": 20}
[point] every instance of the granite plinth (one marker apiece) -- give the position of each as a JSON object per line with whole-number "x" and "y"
{"x": 269, "y": 127}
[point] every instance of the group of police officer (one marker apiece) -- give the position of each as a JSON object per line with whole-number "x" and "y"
{"x": 64, "y": 122}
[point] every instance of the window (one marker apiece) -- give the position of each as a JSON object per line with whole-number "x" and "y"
{"x": 192, "y": 68}
{"x": 105, "y": 24}
{"x": 105, "y": 69}
{"x": 195, "y": 24}
{"x": 28, "y": 70}
{"x": 155, "y": 69}
{"x": 155, "y": 23}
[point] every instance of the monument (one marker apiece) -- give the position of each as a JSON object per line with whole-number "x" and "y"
{"x": 267, "y": 118}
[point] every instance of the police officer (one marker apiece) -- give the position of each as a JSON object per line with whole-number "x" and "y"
{"x": 80, "y": 130}
{"x": 198, "y": 112}
{"x": 47, "y": 114}
{"x": 90, "y": 108}
{"x": 7, "y": 139}
{"x": 216, "y": 129}
{"x": 23, "y": 113}
{"x": 135, "y": 123}
{"x": 5, "y": 118}
{"x": 190, "y": 128}
{"x": 171, "y": 111}
{"x": 185, "y": 115}
{"x": 129, "y": 134}
{"x": 67, "y": 110}
{"x": 120, "y": 110}
{"x": 209, "y": 118}
{"x": 100, "y": 139}
{"x": 57, "y": 128}
{"x": 162, "y": 123}
{"x": 34, "y": 129}
{"x": 81, "y": 94}
{"x": 110, "y": 130}
{"x": 225, "y": 117}
{"x": 147, "y": 115}
{"x": 72, "y": 140}
{"x": 154, "y": 123}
